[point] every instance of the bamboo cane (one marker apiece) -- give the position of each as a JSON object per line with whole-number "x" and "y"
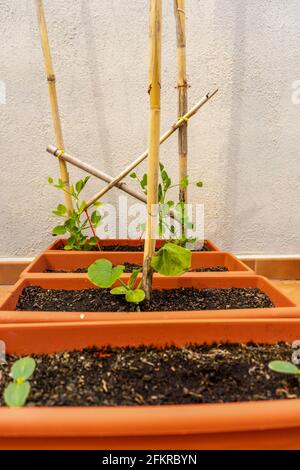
{"x": 154, "y": 144}
{"x": 53, "y": 98}
{"x": 114, "y": 181}
{"x": 182, "y": 85}
{"x": 93, "y": 171}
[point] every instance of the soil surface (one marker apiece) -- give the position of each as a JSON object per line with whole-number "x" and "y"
{"x": 130, "y": 266}
{"x": 35, "y": 298}
{"x": 149, "y": 376}
{"x": 137, "y": 248}
{"x": 128, "y": 269}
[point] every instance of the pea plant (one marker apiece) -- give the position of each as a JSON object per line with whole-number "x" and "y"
{"x": 78, "y": 221}
{"x": 17, "y": 392}
{"x": 166, "y": 204}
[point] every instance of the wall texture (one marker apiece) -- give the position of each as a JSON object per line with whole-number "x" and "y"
{"x": 244, "y": 145}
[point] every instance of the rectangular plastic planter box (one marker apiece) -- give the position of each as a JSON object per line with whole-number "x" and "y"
{"x": 65, "y": 261}
{"x": 58, "y": 243}
{"x": 251, "y": 425}
{"x": 284, "y": 307}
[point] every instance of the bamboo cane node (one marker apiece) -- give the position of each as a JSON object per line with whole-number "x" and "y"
{"x": 186, "y": 85}
{"x": 51, "y": 78}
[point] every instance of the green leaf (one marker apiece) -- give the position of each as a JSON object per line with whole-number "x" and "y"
{"x": 119, "y": 290}
{"x": 199, "y": 184}
{"x": 79, "y": 186}
{"x": 95, "y": 218}
{"x": 15, "y": 395}
{"x": 172, "y": 260}
{"x": 60, "y": 211}
{"x": 97, "y": 204}
{"x": 135, "y": 296}
{"x": 23, "y": 368}
{"x": 133, "y": 176}
{"x": 283, "y": 367}
{"x": 59, "y": 230}
{"x": 184, "y": 182}
{"x": 50, "y": 180}
{"x": 103, "y": 274}
{"x": 144, "y": 181}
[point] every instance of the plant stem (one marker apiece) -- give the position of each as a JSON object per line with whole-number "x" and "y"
{"x": 92, "y": 228}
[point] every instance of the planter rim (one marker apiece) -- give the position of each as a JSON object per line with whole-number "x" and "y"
{"x": 8, "y": 314}
{"x": 107, "y": 241}
{"x": 61, "y": 260}
{"x": 154, "y": 420}
{"x": 150, "y": 420}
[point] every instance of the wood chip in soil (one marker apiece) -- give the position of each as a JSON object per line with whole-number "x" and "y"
{"x": 192, "y": 374}
{"x": 35, "y": 298}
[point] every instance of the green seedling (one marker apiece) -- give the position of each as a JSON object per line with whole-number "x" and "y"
{"x": 104, "y": 275}
{"x": 284, "y": 367}
{"x": 17, "y": 392}
{"x": 77, "y": 222}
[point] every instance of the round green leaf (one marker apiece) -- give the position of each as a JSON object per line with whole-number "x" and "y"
{"x": 23, "y": 368}
{"x": 103, "y": 274}
{"x": 135, "y": 296}
{"x": 172, "y": 260}
{"x": 283, "y": 367}
{"x": 59, "y": 230}
{"x": 15, "y": 395}
{"x": 119, "y": 290}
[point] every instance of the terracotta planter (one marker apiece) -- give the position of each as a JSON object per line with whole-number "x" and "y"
{"x": 285, "y": 308}
{"x": 68, "y": 262}
{"x": 252, "y": 425}
{"x": 58, "y": 243}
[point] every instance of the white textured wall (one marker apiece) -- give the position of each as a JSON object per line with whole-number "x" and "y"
{"x": 245, "y": 145}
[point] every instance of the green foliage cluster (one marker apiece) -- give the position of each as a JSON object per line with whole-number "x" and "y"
{"x": 76, "y": 223}
{"x": 166, "y": 204}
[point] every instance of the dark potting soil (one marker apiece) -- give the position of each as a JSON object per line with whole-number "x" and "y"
{"x": 149, "y": 376}
{"x": 130, "y": 266}
{"x": 128, "y": 269}
{"x": 132, "y": 248}
{"x": 35, "y": 298}
{"x": 138, "y": 248}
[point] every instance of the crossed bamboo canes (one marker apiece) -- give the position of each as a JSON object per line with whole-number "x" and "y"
{"x": 116, "y": 182}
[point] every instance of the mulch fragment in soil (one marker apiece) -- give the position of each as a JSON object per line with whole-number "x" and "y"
{"x": 35, "y": 298}
{"x": 218, "y": 373}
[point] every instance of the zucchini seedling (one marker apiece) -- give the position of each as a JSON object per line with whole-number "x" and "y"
{"x": 17, "y": 392}
{"x": 284, "y": 367}
{"x": 77, "y": 221}
{"x": 103, "y": 274}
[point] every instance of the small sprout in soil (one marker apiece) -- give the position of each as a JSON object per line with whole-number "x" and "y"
{"x": 17, "y": 392}
{"x": 284, "y": 367}
{"x": 76, "y": 222}
{"x": 103, "y": 274}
